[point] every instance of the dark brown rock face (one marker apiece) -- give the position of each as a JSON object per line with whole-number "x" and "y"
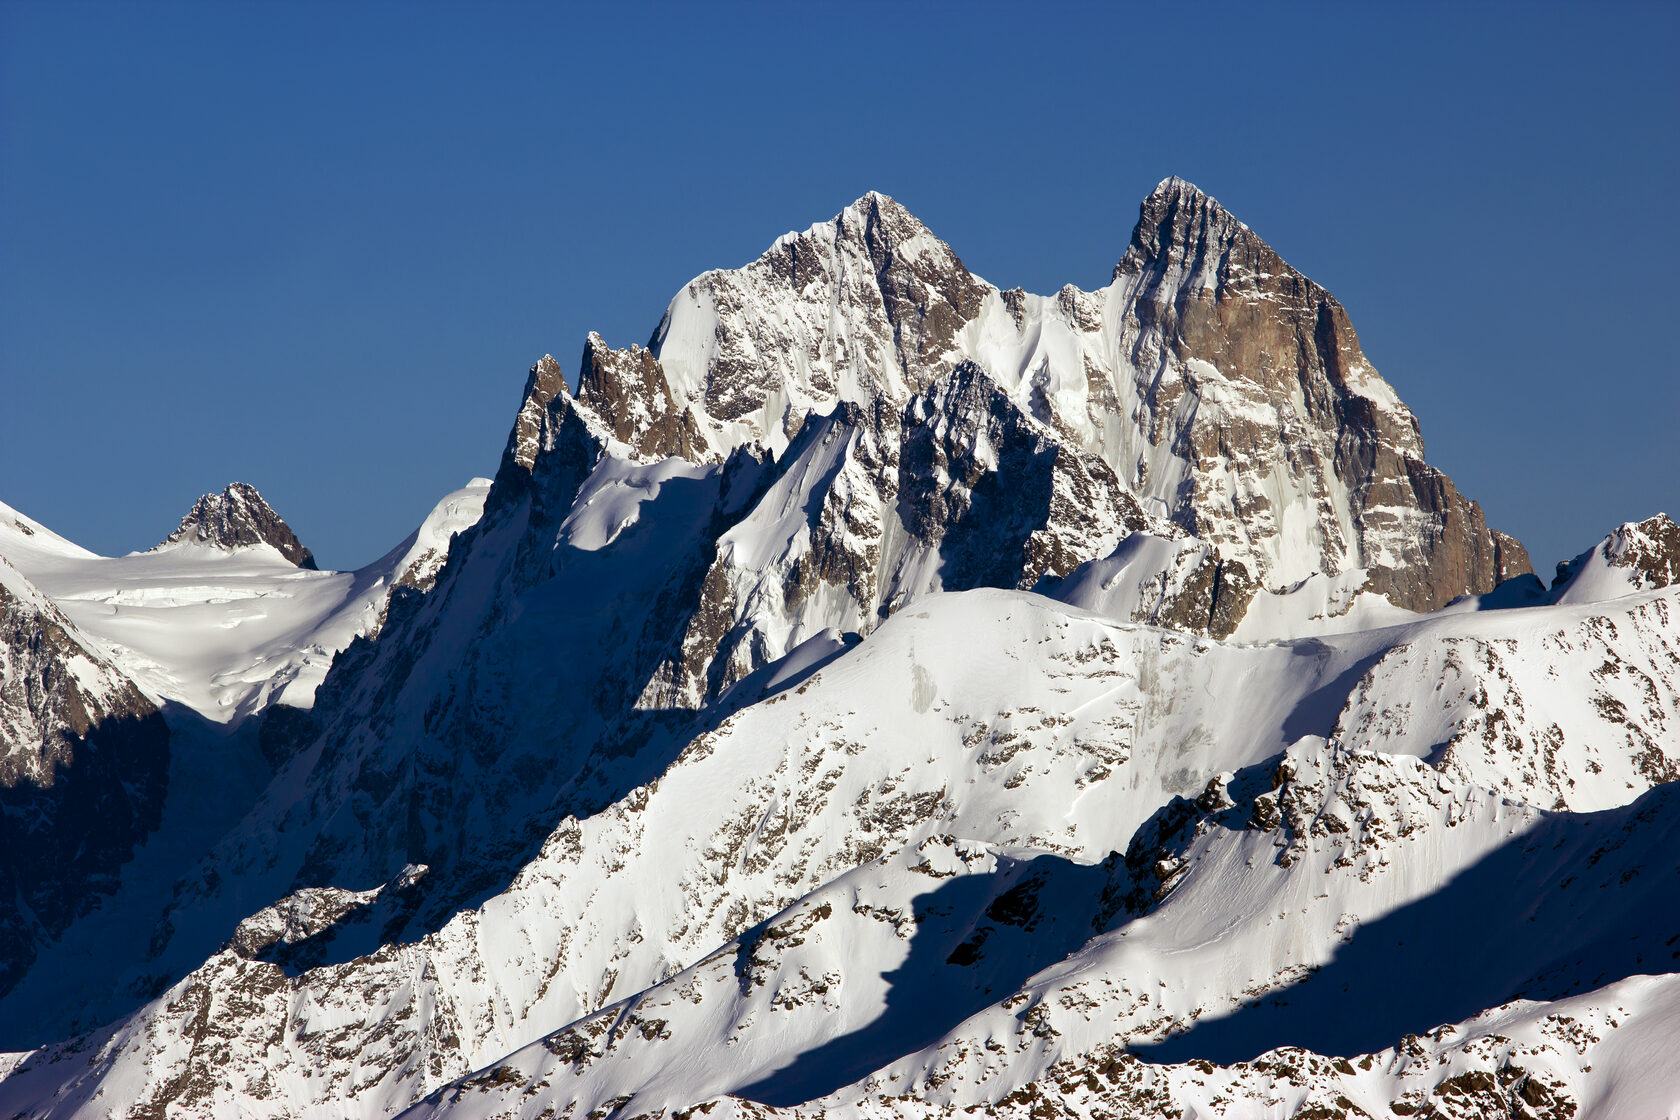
{"x": 1510, "y": 558}
{"x": 628, "y": 391}
{"x": 1462, "y": 556}
{"x": 927, "y": 293}
{"x": 238, "y": 518}
{"x": 1220, "y": 294}
{"x": 1214, "y": 599}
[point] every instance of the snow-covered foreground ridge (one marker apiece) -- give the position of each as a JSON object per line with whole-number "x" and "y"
{"x": 889, "y": 696}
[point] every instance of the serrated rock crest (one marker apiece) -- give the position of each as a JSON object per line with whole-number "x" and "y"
{"x": 238, "y": 517}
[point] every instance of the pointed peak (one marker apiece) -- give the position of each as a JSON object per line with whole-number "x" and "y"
{"x": 553, "y": 437}
{"x": 1173, "y": 186}
{"x": 873, "y": 217}
{"x": 1175, "y": 216}
{"x": 877, "y": 223}
{"x": 876, "y": 200}
{"x": 880, "y": 212}
{"x": 1174, "y": 193}
{"x": 239, "y": 517}
{"x": 546, "y": 371}
{"x": 543, "y": 385}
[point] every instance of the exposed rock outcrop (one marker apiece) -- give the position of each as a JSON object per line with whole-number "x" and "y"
{"x": 1222, "y": 319}
{"x": 238, "y": 517}
{"x": 1225, "y": 391}
{"x": 628, "y": 391}
{"x": 1648, "y": 552}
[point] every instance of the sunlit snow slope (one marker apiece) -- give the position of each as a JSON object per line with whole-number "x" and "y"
{"x": 225, "y": 632}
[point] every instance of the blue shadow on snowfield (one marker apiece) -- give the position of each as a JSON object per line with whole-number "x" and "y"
{"x": 1581, "y": 901}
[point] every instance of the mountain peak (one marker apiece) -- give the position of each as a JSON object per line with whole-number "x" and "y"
{"x": 1178, "y": 222}
{"x": 239, "y": 517}
{"x": 879, "y": 218}
{"x": 1174, "y": 190}
{"x": 1173, "y": 186}
{"x": 876, "y": 202}
{"x": 1647, "y": 552}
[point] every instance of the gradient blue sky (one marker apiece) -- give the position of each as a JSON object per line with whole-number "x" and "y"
{"x": 315, "y": 247}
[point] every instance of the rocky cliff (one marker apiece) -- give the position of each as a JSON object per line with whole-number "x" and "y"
{"x": 238, "y": 517}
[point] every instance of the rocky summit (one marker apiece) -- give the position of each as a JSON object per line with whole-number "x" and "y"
{"x": 239, "y": 518}
{"x": 882, "y": 694}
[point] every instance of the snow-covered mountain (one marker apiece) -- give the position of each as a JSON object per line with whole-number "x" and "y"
{"x": 229, "y": 614}
{"x": 888, "y": 695}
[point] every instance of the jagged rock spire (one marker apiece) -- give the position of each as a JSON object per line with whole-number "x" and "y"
{"x": 1181, "y": 225}
{"x": 627, "y": 389}
{"x": 238, "y": 517}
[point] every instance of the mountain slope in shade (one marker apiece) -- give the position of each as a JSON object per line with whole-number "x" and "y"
{"x": 83, "y": 759}
{"x": 888, "y": 695}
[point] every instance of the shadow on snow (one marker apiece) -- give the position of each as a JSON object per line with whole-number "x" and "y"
{"x": 1581, "y": 901}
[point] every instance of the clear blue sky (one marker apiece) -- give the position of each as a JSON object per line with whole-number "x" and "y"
{"x": 315, "y": 247}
